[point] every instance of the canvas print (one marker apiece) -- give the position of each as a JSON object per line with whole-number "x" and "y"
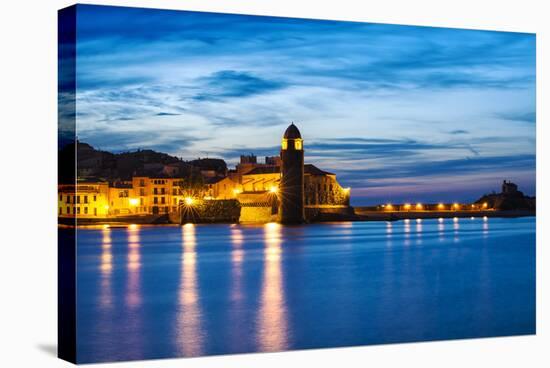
{"x": 241, "y": 184}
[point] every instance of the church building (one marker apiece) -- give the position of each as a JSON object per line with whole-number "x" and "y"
{"x": 286, "y": 189}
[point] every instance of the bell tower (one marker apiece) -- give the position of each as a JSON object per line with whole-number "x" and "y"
{"x": 292, "y": 177}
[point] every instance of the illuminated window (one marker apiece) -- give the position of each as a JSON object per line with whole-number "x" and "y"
{"x": 284, "y": 146}
{"x": 298, "y": 144}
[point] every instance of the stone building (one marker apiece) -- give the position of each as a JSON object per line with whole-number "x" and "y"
{"x": 87, "y": 199}
{"x": 292, "y": 177}
{"x": 303, "y": 189}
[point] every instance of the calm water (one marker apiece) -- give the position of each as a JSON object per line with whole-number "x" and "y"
{"x": 152, "y": 292}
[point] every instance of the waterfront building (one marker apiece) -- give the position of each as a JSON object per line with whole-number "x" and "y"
{"x": 282, "y": 188}
{"x": 157, "y": 194}
{"x": 292, "y": 176}
{"x": 221, "y": 188}
{"x": 85, "y": 199}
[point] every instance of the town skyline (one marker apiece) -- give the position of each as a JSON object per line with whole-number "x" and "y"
{"x": 448, "y": 126}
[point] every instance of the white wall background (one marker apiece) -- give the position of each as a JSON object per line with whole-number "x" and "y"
{"x": 28, "y": 124}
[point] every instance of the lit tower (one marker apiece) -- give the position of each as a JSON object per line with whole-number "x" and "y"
{"x": 292, "y": 177}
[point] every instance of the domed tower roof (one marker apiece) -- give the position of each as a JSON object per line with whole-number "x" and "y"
{"x": 292, "y": 132}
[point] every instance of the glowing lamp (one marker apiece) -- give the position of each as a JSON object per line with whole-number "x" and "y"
{"x": 133, "y": 202}
{"x": 189, "y": 201}
{"x": 418, "y": 206}
{"x": 273, "y": 189}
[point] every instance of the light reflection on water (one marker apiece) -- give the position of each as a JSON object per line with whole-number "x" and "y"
{"x": 106, "y": 268}
{"x": 133, "y": 292}
{"x": 272, "y": 330}
{"x": 189, "y": 326}
{"x": 210, "y": 289}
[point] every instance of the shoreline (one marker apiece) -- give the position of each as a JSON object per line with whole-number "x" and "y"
{"x": 401, "y": 215}
{"x": 359, "y": 216}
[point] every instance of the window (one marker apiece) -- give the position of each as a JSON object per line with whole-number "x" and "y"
{"x": 78, "y": 210}
{"x": 174, "y": 191}
{"x": 85, "y": 210}
{"x": 95, "y": 211}
{"x": 61, "y": 197}
{"x": 141, "y": 201}
{"x": 95, "y": 198}
{"x": 284, "y": 145}
{"x": 74, "y": 210}
{"x": 155, "y": 200}
{"x": 162, "y": 200}
{"x": 60, "y": 210}
{"x": 77, "y": 199}
{"x": 298, "y": 144}
{"x": 85, "y": 199}
{"x": 162, "y": 191}
{"x": 155, "y": 191}
{"x": 68, "y": 210}
{"x": 141, "y": 191}
{"x": 68, "y": 199}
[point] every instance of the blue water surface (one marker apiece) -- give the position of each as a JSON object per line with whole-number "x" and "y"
{"x": 180, "y": 291}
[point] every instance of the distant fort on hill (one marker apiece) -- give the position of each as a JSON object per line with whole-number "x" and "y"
{"x": 151, "y": 187}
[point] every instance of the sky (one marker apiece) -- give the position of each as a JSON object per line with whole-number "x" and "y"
{"x": 399, "y": 113}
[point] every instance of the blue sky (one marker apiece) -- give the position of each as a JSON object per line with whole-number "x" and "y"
{"x": 399, "y": 113}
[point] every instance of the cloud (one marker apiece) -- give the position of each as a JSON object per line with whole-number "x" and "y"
{"x": 231, "y": 83}
{"x": 166, "y": 114}
{"x": 523, "y": 116}
{"x": 375, "y": 102}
